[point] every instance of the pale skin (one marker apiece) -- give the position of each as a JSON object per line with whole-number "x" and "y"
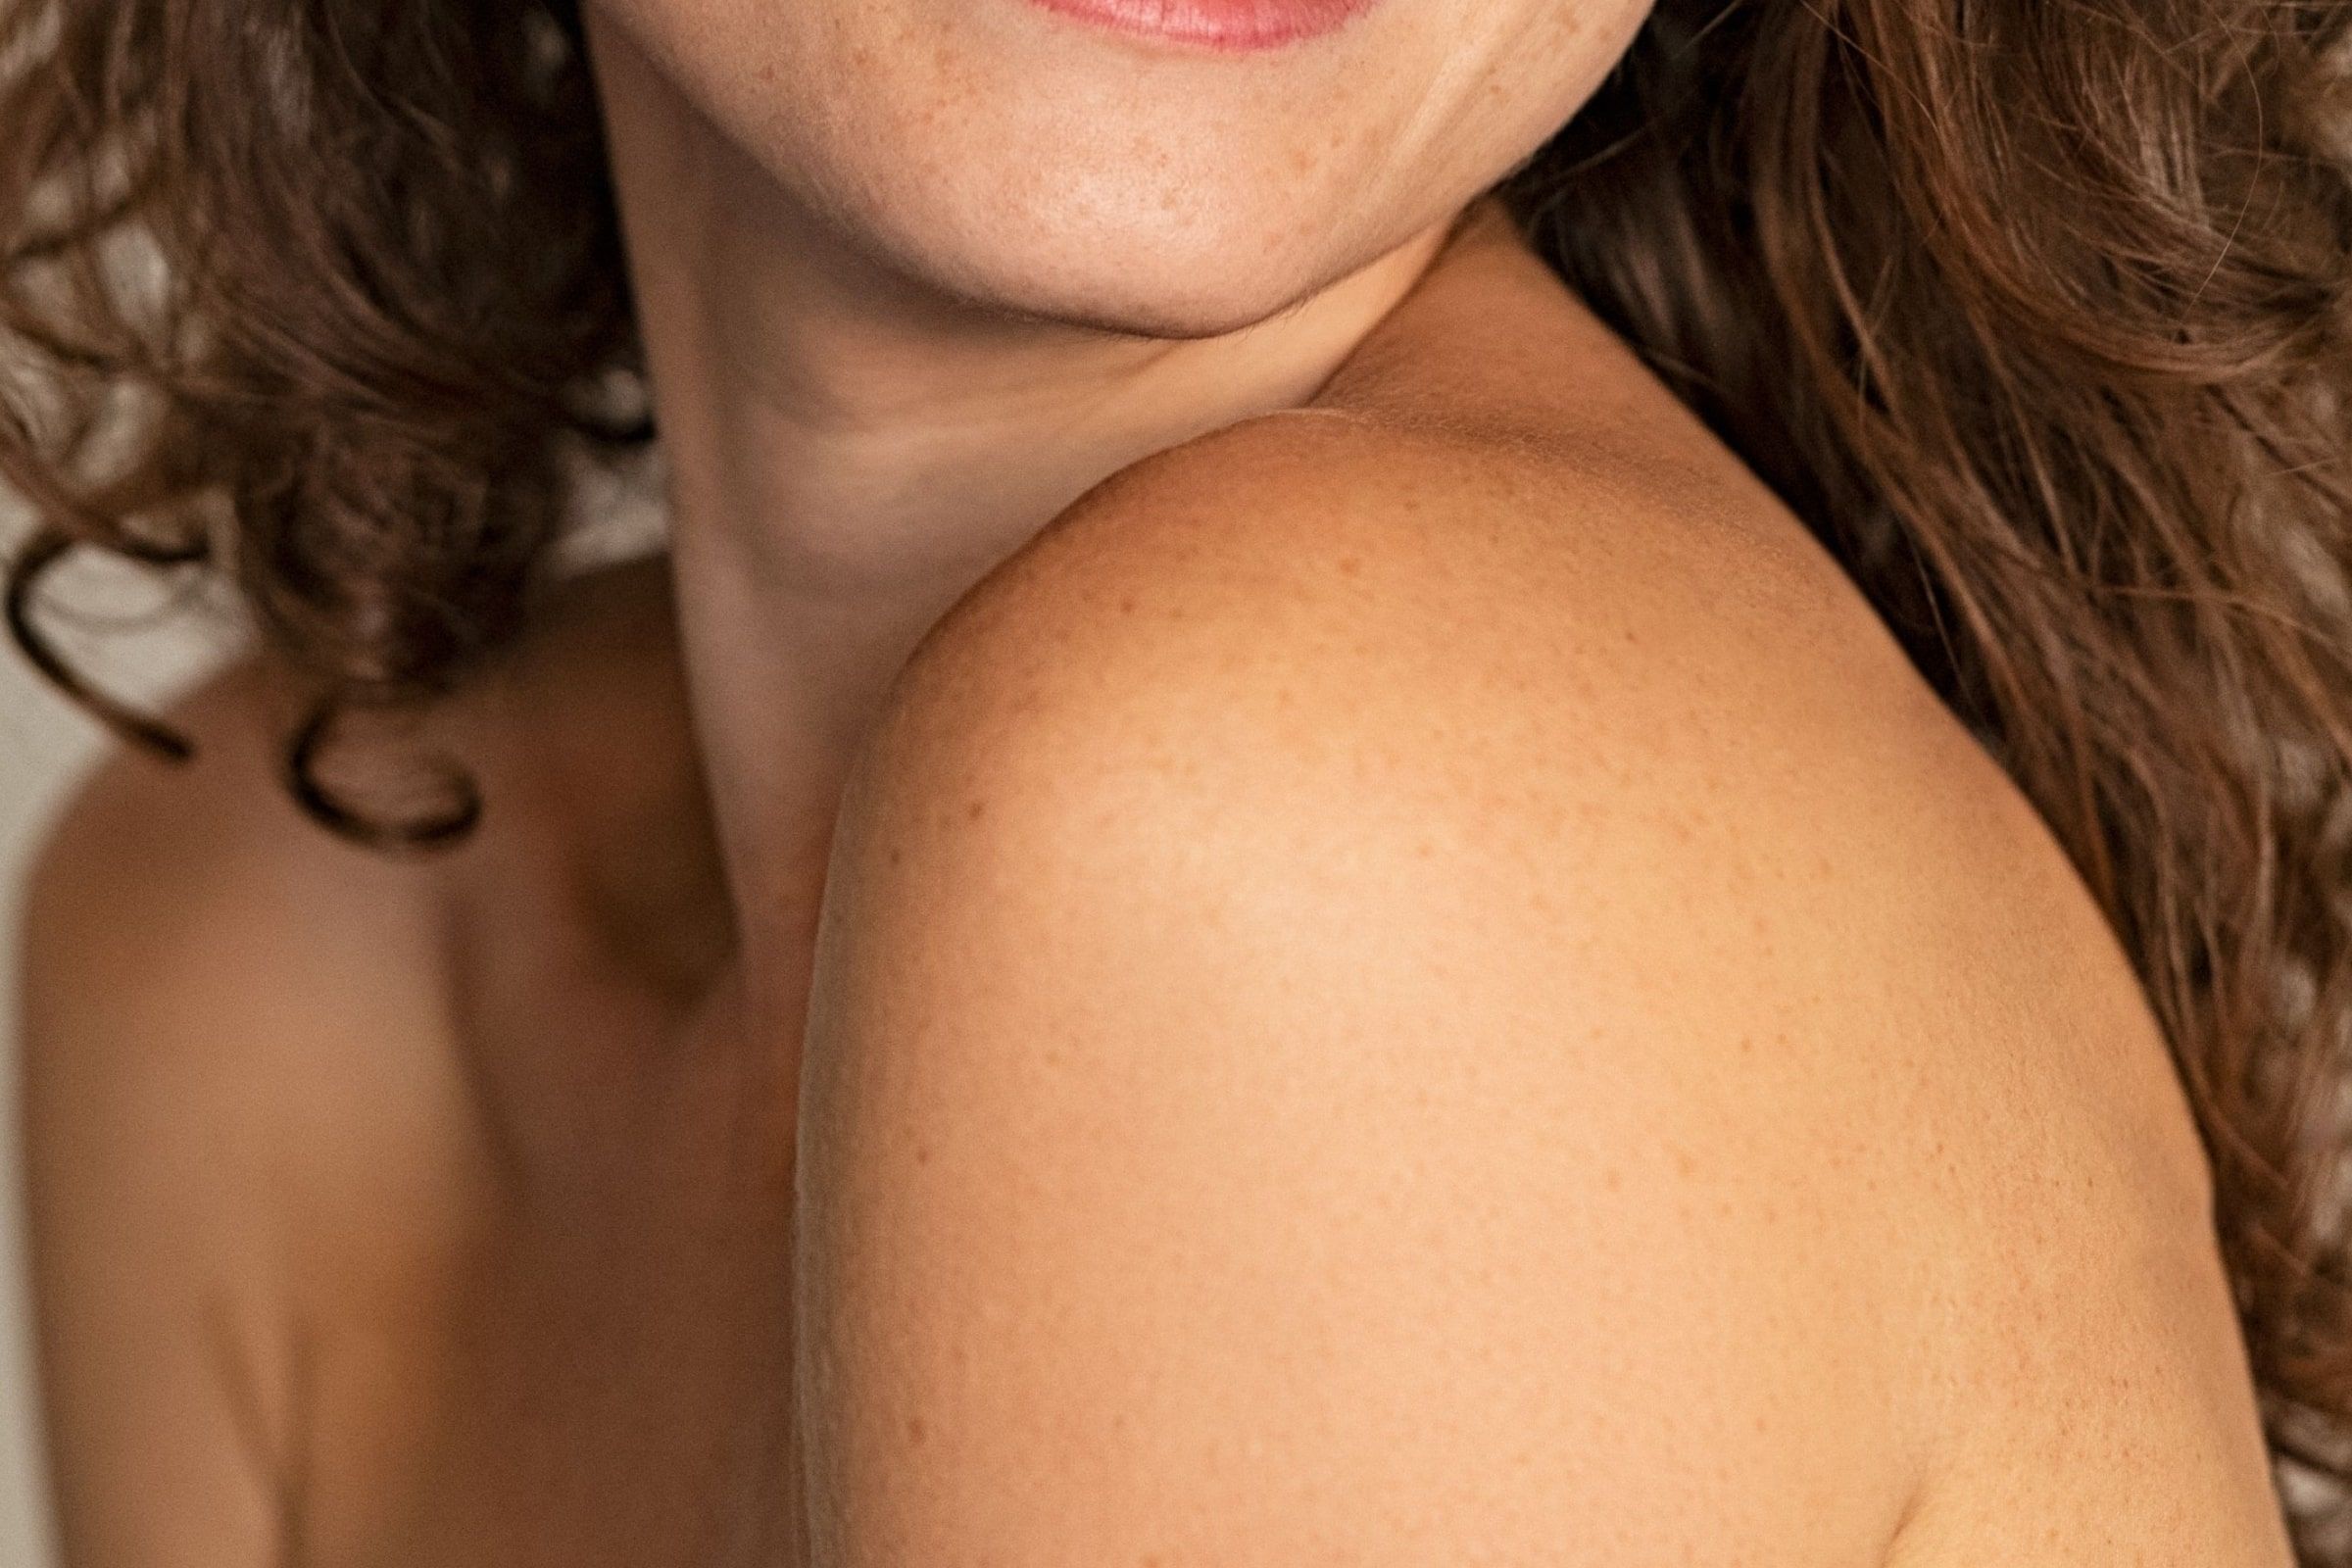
{"x": 1307, "y": 931}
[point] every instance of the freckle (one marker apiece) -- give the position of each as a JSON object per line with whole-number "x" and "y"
{"x": 914, "y": 1429}
{"x": 922, "y": 1155}
{"x": 1349, "y": 566}
{"x": 973, "y": 811}
{"x": 1126, "y": 604}
{"x": 1612, "y": 1179}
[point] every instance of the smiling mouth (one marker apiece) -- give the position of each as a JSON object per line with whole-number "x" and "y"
{"x": 1228, "y": 25}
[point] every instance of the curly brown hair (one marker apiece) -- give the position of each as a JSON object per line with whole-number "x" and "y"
{"x": 2040, "y": 315}
{"x": 325, "y": 296}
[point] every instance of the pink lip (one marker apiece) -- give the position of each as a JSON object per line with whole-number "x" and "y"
{"x": 1218, "y": 23}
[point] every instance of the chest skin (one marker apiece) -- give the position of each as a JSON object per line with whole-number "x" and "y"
{"x": 587, "y": 1358}
{"x": 563, "y": 1336}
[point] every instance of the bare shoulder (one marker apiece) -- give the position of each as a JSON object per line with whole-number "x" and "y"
{"x": 226, "y": 1004}
{"x": 217, "y": 993}
{"x": 1576, "y": 705}
{"x": 1398, "y": 900}
{"x": 1464, "y": 581}
{"x": 210, "y": 994}
{"x": 191, "y": 877}
{"x": 1507, "y": 915}
{"x": 1573, "y": 646}
{"x": 1626, "y": 639}
{"x": 250, "y": 1141}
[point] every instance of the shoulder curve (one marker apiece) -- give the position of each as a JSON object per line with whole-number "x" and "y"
{"x": 165, "y": 847}
{"x": 1464, "y": 704}
{"x": 1543, "y": 722}
{"x": 1410, "y": 806}
{"x": 207, "y": 983}
{"x": 210, "y": 1156}
{"x": 1314, "y": 853}
{"x": 1485, "y": 620}
{"x": 224, "y": 825}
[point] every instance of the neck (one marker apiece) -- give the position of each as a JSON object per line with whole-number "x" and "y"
{"x": 851, "y": 447}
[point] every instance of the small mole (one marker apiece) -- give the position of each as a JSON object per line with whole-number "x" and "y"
{"x": 914, "y": 1429}
{"x": 973, "y": 811}
{"x": 1349, "y": 566}
{"x": 922, "y": 1155}
{"x": 1126, "y": 604}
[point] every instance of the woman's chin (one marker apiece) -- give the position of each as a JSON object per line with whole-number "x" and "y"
{"x": 1144, "y": 269}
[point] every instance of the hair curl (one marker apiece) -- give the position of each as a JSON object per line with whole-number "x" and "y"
{"x": 2037, "y": 312}
{"x": 325, "y": 296}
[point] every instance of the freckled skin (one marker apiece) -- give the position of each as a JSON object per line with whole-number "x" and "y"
{"x": 1019, "y": 158}
{"x": 540, "y": 1169}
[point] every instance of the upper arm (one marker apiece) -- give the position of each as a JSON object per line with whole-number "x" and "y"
{"x": 180, "y": 980}
{"x": 1254, "y": 1112}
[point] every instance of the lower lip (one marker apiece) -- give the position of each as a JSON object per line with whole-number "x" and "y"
{"x": 1235, "y": 24}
